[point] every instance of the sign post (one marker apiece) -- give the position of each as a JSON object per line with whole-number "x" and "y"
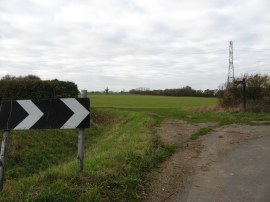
{"x": 3, "y": 156}
{"x": 62, "y": 113}
{"x": 81, "y": 141}
{"x": 243, "y": 82}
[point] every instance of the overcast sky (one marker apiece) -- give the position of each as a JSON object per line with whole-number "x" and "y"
{"x": 125, "y": 44}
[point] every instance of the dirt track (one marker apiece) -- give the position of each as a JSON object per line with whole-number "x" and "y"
{"x": 230, "y": 164}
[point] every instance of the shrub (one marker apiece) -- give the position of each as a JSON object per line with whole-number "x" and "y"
{"x": 31, "y": 87}
{"x": 257, "y": 93}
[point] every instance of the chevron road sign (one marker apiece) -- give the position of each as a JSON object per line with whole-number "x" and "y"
{"x": 45, "y": 114}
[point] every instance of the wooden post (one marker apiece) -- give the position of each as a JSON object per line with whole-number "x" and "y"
{"x": 3, "y": 156}
{"x": 243, "y": 82}
{"x": 244, "y": 94}
{"x": 81, "y": 141}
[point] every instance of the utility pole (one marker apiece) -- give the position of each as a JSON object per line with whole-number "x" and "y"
{"x": 231, "y": 66}
{"x": 231, "y": 80}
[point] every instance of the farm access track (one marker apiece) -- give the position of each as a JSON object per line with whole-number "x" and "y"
{"x": 228, "y": 164}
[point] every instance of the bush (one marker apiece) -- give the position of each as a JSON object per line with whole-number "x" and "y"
{"x": 31, "y": 87}
{"x": 257, "y": 93}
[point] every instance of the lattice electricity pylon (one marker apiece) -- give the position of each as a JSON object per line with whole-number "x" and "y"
{"x": 231, "y": 67}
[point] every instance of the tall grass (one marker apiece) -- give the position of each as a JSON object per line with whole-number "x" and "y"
{"x": 116, "y": 161}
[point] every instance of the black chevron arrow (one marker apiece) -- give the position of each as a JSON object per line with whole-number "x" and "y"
{"x": 11, "y": 114}
{"x": 56, "y": 113}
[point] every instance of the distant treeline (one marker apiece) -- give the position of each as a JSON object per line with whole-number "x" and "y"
{"x": 32, "y": 87}
{"x": 185, "y": 91}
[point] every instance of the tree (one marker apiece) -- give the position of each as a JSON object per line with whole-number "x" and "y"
{"x": 13, "y": 78}
{"x": 8, "y": 78}
{"x": 31, "y": 77}
{"x": 107, "y": 90}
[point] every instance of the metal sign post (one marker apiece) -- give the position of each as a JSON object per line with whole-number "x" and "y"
{"x": 3, "y": 156}
{"x": 81, "y": 141}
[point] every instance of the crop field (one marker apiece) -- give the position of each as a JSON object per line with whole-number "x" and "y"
{"x": 146, "y": 101}
{"x": 121, "y": 148}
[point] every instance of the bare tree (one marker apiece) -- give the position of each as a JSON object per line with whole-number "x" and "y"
{"x": 107, "y": 90}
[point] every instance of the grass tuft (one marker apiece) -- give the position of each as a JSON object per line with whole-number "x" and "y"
{"x": 201, "y": 132}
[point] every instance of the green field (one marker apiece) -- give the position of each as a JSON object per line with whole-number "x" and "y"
{"x": 121, "y": 148}
{"x": 146, "y": 101}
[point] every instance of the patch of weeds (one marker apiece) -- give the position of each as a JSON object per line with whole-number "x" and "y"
{"x": 102, "y": 117}
{"x": 200, "y": 133}
{"x": 57, "y": 191}
{"x": 167, "y": 151}
{"x": 91, "y": 195}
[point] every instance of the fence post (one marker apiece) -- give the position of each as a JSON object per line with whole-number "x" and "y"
{"x": 81, "y": 141}
{"x": 3, "y": 156}
{"x": 245, "y": 96}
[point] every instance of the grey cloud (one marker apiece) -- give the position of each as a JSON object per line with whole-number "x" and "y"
{"x": 126, "y": 44}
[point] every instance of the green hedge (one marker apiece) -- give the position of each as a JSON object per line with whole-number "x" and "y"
{"x": 37, "y": 89}
{"x": 257, "y": 93}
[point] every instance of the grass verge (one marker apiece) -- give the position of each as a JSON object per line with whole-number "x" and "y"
{"x": 117, "y": 156}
